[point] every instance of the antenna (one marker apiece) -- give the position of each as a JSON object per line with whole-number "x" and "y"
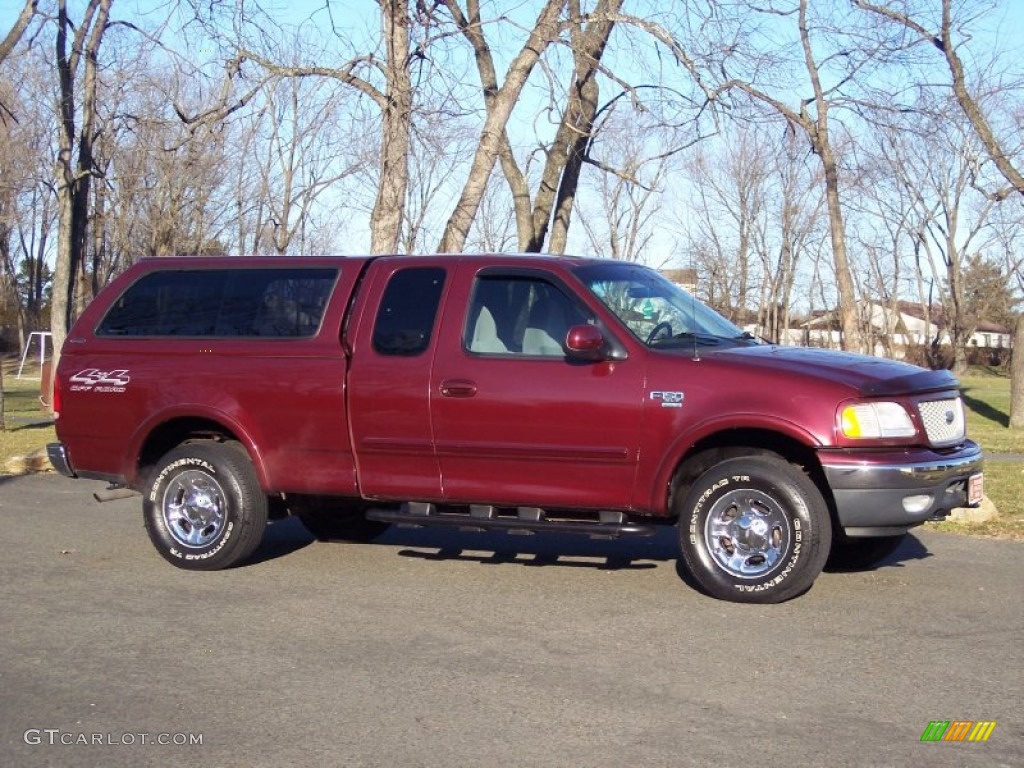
{"x": 693, "y": 313}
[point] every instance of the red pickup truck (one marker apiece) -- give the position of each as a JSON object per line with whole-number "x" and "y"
{"x": 511, "y": 392}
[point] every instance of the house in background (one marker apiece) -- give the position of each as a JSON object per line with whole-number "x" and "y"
{"x": 684, "y": 278}
{"x": 909, "y": 325}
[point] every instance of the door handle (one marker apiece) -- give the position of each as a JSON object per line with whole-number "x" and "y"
{"x": 458, "y": 388}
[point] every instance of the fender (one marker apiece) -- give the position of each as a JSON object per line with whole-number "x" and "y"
{"x": 194, "y": 411}
{"x": 684, "y": 442}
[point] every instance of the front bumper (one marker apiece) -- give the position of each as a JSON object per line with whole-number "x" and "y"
{"x": 873, "y": 491}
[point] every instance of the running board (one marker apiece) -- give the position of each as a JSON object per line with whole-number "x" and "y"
{"x": 527, "y": 520}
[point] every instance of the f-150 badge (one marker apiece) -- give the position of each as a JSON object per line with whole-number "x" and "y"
{"x": 668, "y": 399}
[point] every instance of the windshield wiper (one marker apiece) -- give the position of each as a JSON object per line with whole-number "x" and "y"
{"x": 689, "y": 338}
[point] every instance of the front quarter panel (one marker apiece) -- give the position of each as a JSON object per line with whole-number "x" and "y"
{"x": 690, "y": 400}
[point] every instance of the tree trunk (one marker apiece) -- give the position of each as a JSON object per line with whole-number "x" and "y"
{"x": 492, "y": 136}
{"x": 5, "y": 266}
{"x": 3, "y": 423}
{"x": 1017, "y": 376}
{"x": 852, "y": 338}
{"x": 575, "y": 132}
{"x": 20, "y": 25}
{"x": 396, "y": 119}
{"x": 943, "y": 42}
{"x": 822, "y": 143}
{"x": 817, "y": 129}
{"x": 73, "y": 176}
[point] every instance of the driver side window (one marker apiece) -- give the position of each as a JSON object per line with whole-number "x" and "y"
{"x": 519, "y": 315}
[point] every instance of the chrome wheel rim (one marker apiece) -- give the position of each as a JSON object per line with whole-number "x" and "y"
{"x": 194, "y": 509}
{"x": 747, "y": 533}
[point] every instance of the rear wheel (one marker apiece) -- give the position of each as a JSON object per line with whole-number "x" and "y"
{"x": 754, "y": 530}
{"x": 204, "y": 508}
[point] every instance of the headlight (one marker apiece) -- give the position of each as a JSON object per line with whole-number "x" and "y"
{"x": 875, "y": 420}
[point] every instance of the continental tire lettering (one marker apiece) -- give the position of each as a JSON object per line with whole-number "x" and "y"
{"x": 188, "y": 461}
{"x": 695, "y": 513}
{"x": 780, "y": 577}
{"x": 220, "y": 545}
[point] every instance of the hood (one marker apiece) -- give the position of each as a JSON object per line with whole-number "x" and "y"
{"x": 869, "y": 376}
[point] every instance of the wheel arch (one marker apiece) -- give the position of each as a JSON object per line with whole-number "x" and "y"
{"x": 163, "y": 434}
{"x": 735, "y": 442}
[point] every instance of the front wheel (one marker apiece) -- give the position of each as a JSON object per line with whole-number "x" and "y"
{"x": 204, "y": 508}
{"x": 754, "y": 530}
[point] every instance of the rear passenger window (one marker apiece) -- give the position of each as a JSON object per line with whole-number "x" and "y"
{"x": 408, "y": 309}
{"x": 270, "y": 303}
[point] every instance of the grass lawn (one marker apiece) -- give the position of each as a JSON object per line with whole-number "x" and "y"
{"x": 987, "y": 398}
{"x": 29, "y": 427}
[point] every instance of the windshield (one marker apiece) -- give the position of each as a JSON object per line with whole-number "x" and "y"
{"x": 658, "y": 312}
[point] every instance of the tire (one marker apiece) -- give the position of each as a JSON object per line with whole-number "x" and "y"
{"x": 335, "y": 519}
{"x": 204, "y": 508}
{"x": 861, "y": 554}
{"x": 754, "y": 529}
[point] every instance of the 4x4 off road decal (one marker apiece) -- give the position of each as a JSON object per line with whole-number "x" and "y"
{"x": 95, "y": 380}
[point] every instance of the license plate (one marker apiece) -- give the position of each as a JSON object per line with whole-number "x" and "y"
{"x": 975, "y": 488}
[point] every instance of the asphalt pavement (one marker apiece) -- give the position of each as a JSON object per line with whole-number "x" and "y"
{"x": 449, "y": 648}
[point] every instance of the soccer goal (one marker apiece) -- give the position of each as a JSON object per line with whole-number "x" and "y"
{"x": 41, "y": 341}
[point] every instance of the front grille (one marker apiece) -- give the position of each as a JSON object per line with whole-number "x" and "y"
{"x": 943, "y": 421}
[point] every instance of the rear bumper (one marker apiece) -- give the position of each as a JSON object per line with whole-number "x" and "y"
{"x": 58, "y": 455}
{"x": 888, "y": 493}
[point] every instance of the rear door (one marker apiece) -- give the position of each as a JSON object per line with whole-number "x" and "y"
{"x": 393, "y": 341}
{"x": 516, "y": 421}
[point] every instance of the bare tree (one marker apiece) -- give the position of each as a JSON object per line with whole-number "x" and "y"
{"x": 936, "y": 161}
{"x": 948, "y": 35}
{"x": 439, "y": 147}
{"x": 393, "y": 98}
{"x": 570, "y": 148}
{"x": 159, "y": 184}
{"x": 755, "y": 209}
{"x": 494, "y": 230}
{"x": 943, "y": 39}
{"x": 796, "y": 210}
{"x": 77, "y": 71}
{"x": 543, "y": 217}
{"x": 889, "y": 227}
{"x": 302, "y": 160}
{"x": 730, "y": 190}
{"x": 812, "y": 117}
{"x": 499, "y": 109}
{"x": 629, "y": 198}
{"x": 28, "y": 10}
{"x": 27, "y": 201}
{"x": 1017, "y": 376}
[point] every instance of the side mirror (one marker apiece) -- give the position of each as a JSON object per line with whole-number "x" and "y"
{"x": 586, "y": 342}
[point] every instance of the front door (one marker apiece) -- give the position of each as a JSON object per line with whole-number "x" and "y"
{"x": 516, "y": 421}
